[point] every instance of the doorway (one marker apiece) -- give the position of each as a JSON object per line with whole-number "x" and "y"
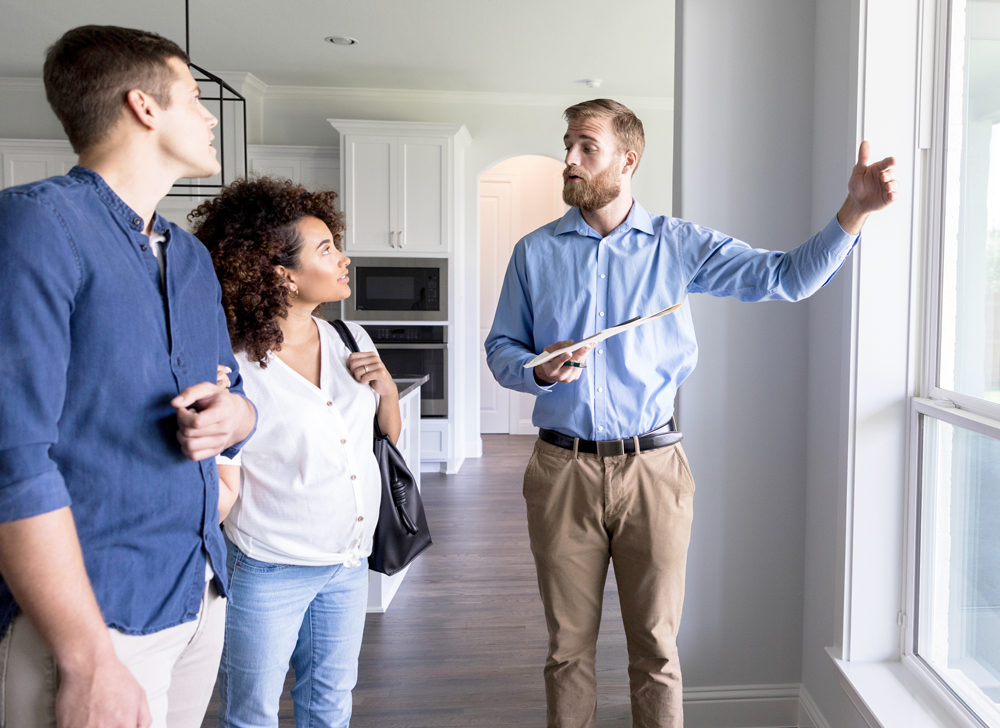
{"x": 517, "y": 196}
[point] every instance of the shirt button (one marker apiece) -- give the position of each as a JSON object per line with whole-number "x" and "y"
{"x": 343, "y": 442}
{"x": 354, "y": 477}
{"x": 602, "y": 275}
{"x": 143, "y": 248}
{"x": 600, "y": 429}
{"x": 180, "y": 361}
{"x": 330, "y": 404}
{"x": 136, "y": 221}
{"x": 600, "y": 389}
{"x": 601, "y": 314}
{"x": 600, "y": 351}
{"x": 361, "y": 518}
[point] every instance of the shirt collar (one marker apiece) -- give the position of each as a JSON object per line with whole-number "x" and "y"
{"x": 573, "y": 222}
{"x": 115, "y": 203}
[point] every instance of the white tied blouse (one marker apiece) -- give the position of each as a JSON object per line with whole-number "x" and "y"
{"x": 309, "y": 482}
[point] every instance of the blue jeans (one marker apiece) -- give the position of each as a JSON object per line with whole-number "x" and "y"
{"x": 311, "y": 616}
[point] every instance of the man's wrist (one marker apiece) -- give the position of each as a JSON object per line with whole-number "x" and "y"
{"x": 247, "y": 419}
{"x": 82, "y": 654}
{"x": 538, "y": 380}
{"x": 851, "y": 217}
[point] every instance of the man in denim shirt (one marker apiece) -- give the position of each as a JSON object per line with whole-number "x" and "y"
{"x": 111, "y": 415}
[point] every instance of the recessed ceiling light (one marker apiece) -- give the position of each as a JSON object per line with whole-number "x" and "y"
{"x": 592, "y": 82}
{"x": 341, "y": 40}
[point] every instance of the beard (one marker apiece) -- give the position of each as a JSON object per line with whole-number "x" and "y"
{"x": 592, "y": 193}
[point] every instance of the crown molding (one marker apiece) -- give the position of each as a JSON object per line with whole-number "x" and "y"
{"x": 251, "y": 83}
{"x": 245, "y": 83}
{"x": 408, "y": 128}
{"x": 474, "y": 98}
{"x": 10, "y": 83}
{"x": 43, "y": 146}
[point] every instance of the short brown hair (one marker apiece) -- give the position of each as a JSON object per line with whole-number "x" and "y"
{"x": 90, "y": 70}
{"x": 250, "y": 228}
{"x": 626, "y": 126}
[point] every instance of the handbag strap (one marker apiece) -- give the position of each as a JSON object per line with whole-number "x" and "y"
{"x": 349, "y": 341}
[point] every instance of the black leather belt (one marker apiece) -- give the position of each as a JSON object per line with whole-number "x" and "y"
{"x": 664, "y": 436}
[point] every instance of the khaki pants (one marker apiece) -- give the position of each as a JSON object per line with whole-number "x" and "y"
{"x": 176, "y": 667}
{"x": 635, "y": 509}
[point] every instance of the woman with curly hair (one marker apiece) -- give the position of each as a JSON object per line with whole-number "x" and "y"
{"x": 303, "y": 496}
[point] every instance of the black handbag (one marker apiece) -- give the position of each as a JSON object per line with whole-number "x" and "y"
{"x": 401, "y": 533}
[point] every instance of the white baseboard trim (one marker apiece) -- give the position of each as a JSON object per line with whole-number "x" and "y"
{"x": 809, "y": 713}
{"x": 742, "y": 706}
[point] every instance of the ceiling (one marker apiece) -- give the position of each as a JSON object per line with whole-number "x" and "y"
{"x": 510, "y": 46}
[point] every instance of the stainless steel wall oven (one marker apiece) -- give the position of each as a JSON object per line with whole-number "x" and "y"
{"x": 413, "y": 351}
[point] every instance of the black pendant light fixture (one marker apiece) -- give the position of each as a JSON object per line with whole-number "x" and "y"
{"x": 230, "y": 124}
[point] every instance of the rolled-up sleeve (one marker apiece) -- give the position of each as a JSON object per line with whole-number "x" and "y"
{"x": 511, "y": 341}
{"x": 40, "y": 274}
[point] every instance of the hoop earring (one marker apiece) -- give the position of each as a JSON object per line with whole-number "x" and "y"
{"x": 295, "y": 292}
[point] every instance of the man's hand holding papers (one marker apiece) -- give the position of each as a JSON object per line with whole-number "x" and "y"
{"x": 562, "y": 361}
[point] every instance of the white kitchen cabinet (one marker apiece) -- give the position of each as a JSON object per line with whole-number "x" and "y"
{"x": 316, "y": 168}
{"x": 399, "y": 184}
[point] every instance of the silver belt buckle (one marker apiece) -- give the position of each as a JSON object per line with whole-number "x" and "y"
{"x": 610, "y": 448}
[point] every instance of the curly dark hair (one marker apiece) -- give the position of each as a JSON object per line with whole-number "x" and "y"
{"x": 250, "y": 228}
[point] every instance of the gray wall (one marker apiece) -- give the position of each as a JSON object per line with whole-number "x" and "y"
{"x": 746, "y": 169}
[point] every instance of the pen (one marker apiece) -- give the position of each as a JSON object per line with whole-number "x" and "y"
{"x": 576, "y": 364}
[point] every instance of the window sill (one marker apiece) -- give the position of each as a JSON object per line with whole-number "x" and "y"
{"x": 891, "y": 695}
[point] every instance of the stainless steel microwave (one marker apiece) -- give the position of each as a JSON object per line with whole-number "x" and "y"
{"x": 397, "y": 289}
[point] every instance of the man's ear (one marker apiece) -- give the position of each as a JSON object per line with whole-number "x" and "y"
{"x": 141, "y": 107}
{"x": 631, "y": 160}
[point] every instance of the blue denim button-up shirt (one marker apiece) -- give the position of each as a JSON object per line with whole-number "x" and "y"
{"x": 564, "y": 281}
{"x": 92, "y": 353}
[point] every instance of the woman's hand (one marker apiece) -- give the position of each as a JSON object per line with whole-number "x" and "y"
{"x": 222, "y": 376}
{"x": 367, "y": 368}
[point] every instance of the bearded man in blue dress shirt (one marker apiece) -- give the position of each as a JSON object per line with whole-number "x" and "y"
{"x": 608, "y": 478}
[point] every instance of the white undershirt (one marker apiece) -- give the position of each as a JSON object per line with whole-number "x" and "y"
{"x": 156, "y": 241}
{"x": 309, "y": 483}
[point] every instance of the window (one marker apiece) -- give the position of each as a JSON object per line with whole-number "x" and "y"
{"x": 956, "y": 421}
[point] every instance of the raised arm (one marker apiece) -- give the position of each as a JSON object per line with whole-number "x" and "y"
{"x": 722, "y": 266}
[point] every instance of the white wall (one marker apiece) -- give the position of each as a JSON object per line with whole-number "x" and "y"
{"x": 746, "y": 168}
{"x": 834, "y": 131}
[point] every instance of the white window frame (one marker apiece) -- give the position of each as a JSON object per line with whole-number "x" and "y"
{"x": 954, "y": 408}
{"x": 901, "y": 95}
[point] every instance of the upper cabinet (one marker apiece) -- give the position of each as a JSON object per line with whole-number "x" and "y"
{"x": 315, "y": 168}
{"x": 400, "y": 185}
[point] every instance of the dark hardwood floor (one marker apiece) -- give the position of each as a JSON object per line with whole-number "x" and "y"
{"x": 464, "y": 640}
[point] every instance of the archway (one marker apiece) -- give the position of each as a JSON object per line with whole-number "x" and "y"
{"x": 516, "y": 196}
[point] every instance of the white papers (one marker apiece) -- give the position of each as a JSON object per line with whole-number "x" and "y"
{"x": 600, "y": 336}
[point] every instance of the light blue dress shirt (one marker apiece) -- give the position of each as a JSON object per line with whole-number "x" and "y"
{"x": 565, "y": 281}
